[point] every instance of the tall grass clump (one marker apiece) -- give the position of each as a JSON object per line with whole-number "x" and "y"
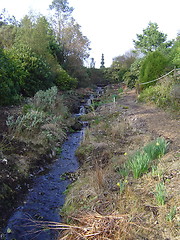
{"x": 156, "y": 149}
{"x": 139, "y": 162}
{"x": 160, "y": 193}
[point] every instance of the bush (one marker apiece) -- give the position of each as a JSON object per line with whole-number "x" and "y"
{"x": 153, "y": 67}
{"x": 9, "y": 80}
{"x": 37, "y": 72}
{"x": 164, "y": 94}
{"x": 63, "y": 81}
{"x": 42, "y": 119}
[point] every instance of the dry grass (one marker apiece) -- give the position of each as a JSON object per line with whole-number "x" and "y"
{"x": 94, "y": 226}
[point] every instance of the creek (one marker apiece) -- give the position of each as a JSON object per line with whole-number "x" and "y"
{"x": 46, "y": 197}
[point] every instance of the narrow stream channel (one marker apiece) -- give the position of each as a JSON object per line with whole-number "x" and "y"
{"x": 44, "y": 200}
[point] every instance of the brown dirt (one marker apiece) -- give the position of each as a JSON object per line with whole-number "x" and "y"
{"x": 148, "y": 118}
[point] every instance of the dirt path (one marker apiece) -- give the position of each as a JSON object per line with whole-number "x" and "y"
{"x": 148, "y": 118}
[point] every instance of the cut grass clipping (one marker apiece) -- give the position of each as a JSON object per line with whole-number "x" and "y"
{"x": 139, "y": 162}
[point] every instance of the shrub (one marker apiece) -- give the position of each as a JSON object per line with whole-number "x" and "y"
{"x": 164, "y": 94}
{"x": 9, "y": 80}
{"x": 153, "y": 67}
{"x": 42, "y": 117}
{"x": 38, "y": 75}
{"x": 63, "y": 81}
{"x": 45, "y": 100}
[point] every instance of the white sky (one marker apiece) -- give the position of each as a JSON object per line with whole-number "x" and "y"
{"x": 112, "y": 25}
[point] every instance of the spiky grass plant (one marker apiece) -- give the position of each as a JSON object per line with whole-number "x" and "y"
{"x": 156, "y": 149}
{"x": 170, "y": 216}
{"x": 160, "y": 193}
{"x": 138, "y": 164}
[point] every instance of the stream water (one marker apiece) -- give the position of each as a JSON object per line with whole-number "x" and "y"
{"x": 46, "y": 197}
{"x": 44, "y": 200}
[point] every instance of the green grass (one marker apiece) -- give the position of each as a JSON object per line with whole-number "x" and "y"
{"x": 160, "y": 193}
{"x": 170, "y": 216}
{"x": 156, "y": 149}
{"x": 140, "y": 162}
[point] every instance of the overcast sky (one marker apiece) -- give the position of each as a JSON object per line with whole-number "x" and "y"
{"x": 112, "y": 25}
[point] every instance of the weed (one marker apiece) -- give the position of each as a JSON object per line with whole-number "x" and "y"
{"x": 120, "y": 90}
{"x": 170, "y": 216}
{"x": 156, "y": 172}
{"x": 160, "y": 193}
{"x": 124, "y": 172}
{"x": 122, "y": 185}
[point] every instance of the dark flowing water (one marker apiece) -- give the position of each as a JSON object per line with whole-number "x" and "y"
{"x": 46, "y": 197}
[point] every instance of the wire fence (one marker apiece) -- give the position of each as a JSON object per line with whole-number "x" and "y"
{"x": 176, "y": 72}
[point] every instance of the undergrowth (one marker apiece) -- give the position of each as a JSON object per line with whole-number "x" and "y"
{"x": 164, "y": 94}
{"x": 44, "y": 117}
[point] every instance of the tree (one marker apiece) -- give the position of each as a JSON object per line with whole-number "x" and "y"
{"x": 175, "y": 53}
{"x": 121, "y": 64}
{"x": 151, "y": 39}
{"x": 8, "y": 29}
{"x": 62, "y": 13}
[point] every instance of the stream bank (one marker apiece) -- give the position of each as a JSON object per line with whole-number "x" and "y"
{"x": 46, "y": 194}
{"x": 21, "y": 159}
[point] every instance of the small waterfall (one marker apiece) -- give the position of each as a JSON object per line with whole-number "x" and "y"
{"x": 90, "y": 100}
{"x": 99, "y": 91}
{"x": 82, "y": 110}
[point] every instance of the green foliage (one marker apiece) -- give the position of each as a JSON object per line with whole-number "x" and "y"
{"x": 43, "y": 117}
{"x": 37, "y": 72}
{"x": 156, "y": 149}
{"x": 160, "y": 193}
{"x": 9, "y": 80}
{"x": 171, "y": 215}
{"x": 139, "y": 162}
{"x": 164, "y": 94}
{"x": 132, "y": 75}
{"x": 45, "y": 100}
{"x": 63, "y": 80}
{"x": 175, "y": 54}
{"x": 151, "y": 39}
{"x": 152, "y": 67}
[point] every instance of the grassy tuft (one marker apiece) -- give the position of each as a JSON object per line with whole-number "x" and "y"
{"x": 160, "y": 193}
{"x": 138, "y": 164}
{"x": 156, "y": 149}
